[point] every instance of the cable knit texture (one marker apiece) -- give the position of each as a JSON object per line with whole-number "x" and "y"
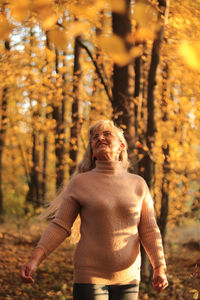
{"x": 116, "y": 211}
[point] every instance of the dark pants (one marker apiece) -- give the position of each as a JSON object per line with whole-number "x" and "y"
{"x": 84, "y": 291}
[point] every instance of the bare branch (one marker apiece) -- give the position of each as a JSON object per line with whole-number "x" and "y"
{"x": 97, "y": 69}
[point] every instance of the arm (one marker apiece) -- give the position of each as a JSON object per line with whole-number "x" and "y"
{"x": 51, "y": 239}
{"x": 152, "y": 241}
{"x": 54, "y": 235}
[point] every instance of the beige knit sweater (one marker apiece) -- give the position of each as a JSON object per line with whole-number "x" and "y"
{"x": 116, "y": 212}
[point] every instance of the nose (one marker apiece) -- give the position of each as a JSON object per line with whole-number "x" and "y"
{"x": 101, "y": 137}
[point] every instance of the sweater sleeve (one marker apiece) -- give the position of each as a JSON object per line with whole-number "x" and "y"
{"x": 149, "y": 232}
{"x": 60, "y": 226}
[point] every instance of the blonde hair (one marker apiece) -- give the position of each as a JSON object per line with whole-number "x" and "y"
{"x": 87, "y": 164}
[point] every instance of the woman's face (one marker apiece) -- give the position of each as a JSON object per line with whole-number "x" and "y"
{"x": 106, "y": 145}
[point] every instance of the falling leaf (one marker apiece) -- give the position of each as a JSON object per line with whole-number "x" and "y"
{"x": 115, "y": 47}
{"x": 45, "y": 12}
{"x": 88, "y": 11}
{"x": 20, "y": 9}
{"x": 77, "y": 28}
{"x": 59, "y": 38}
{"x": 190, "y": 53}
{"x": 145, "y": 15}
{"x": 5, "y": 28}
{"x": 49, "y": 22}
{"x": 118, "y": 6}
{"x": 136, "y": 51}
{"x": 141, "y": 35}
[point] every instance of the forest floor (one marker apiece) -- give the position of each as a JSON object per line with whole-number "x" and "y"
{"x": 54, "y": 277}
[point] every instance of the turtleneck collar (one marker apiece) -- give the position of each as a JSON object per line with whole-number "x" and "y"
{"x": 109, "y": 167}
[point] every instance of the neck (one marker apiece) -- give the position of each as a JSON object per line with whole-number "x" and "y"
{"x": 109, "y": 166}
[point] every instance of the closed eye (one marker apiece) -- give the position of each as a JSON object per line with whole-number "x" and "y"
{"x": 95, "y": 137}
{"x": 106, "y": 133}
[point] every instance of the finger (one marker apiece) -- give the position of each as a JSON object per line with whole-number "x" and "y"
{"x": 165, "y": 284}
{"x": 159, "y": 286}
{"x": 29, "y": 270}
{"x": 28, "y": 280}
{"x": 22, "y": 271}
{"x": 25, "y": 273}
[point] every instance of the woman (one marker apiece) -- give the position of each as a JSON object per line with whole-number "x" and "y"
{"x": 116, "y": 212}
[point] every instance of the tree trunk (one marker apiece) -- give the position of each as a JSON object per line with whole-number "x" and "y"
{"x": 137, "y": 68}
{"x": 2, "y": 140}
{"x": 33, "y": 195}
{"x": 76, "y": 108}
{"x": 45, "y": 144}
{"x": 163, "y": 217}
{"x": 96, "y": 90}
{"x": 123, "y": 105}
{"x": 4, "y": 106}
{"x": 147, "y": 163}
{"x": 151, "y": 126}
{"x": 59, "y": 117}
{"x": 44, "y": 168}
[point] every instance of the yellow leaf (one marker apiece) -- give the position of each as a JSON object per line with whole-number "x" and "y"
{"x": 136, "y": 51}
{"x": 123, "y": 126}
{"x": 49, "y": 22}
{"x": 141, "y": 35}
{"x": 50, "y": 54}
{"x": 88, "y": 11}
{"x": 44, "y": 9}
{"x": 77, "y": 28}
{"x": 193, "y": 291}
{"x": 145, "y": 15}
{"x": 5, "y": 28}
{"x": 196, "y": 296}
{"x": 20, "y": 9}
{"x": 63, "y": 69}
{"x": 118, "y": 6}
{"x": 115, "y": 47}
{"x": 190, "y": 53}
{"x": 59, "y": 38}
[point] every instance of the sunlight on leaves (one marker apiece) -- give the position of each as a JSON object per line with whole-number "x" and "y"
{"x": 190, "y": 53}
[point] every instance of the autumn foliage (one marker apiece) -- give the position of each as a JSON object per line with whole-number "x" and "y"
{"x": 65, "y": 64}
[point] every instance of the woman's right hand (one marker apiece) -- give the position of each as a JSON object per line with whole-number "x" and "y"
{"x": 30, "y": 267}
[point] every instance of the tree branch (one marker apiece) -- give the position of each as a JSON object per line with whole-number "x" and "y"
{"x": 97, "y": 70}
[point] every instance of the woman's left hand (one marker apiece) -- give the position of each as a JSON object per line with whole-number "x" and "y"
{"x": 159, "y": 279}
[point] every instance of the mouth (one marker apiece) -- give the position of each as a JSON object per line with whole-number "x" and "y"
{"x": 102, "y": 144}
